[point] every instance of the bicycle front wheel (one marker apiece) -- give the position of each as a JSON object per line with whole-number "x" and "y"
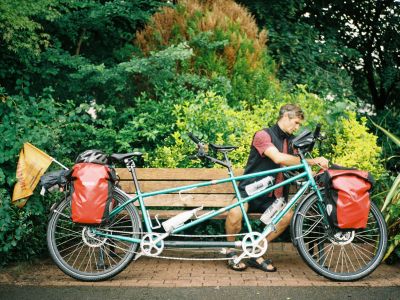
{"x": 86, "y": 256}
{"x": 340, "y": 255}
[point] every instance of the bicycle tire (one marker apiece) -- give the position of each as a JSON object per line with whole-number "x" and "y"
{"x": 339, "y": 255}
{"x": 85, "y": 256}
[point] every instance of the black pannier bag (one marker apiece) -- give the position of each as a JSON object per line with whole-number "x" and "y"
{"x": 91, "y": 193}
{"x": 347, "y": 196}
{"x": 53, "y": 180}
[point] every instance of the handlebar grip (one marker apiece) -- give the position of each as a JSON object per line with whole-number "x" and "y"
{"x": 194, "y": 138}
{"x": 317, "y": 131}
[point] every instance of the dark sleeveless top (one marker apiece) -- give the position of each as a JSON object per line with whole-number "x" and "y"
{"x": 258, "y": 163}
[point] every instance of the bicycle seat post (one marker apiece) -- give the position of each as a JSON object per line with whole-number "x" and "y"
{"x": 130, "y": 165}
{"x": 228, "y": 162}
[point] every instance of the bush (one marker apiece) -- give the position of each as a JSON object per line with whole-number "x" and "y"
{"x": 62, "y": 131}
{"x": 211, "y": 118}
{"x": 349, "y": 145}
{"x": 34, "y": 120}
{"x": 356, "y": 147}
{"x": 225, "y": 41}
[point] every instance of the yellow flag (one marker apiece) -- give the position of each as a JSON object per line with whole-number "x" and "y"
{"x": 32, "y": 164}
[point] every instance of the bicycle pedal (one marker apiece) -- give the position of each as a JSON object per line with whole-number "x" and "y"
{"x": 223, "y": 251}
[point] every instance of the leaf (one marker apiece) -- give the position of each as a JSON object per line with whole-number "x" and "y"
{"x": 394, "y": 138}
{"x": 393, "y": 192}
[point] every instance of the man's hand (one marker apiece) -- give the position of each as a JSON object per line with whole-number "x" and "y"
{"x": 320, "y": 161}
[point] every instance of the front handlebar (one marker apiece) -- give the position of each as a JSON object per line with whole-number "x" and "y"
{"x": 317, "y": 131}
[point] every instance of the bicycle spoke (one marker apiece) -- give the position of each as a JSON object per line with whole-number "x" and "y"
{"x": 66, "y": 241}
{"x": 72, "y": 246}
{"x": 76, "y": 257}
{"x": 315, "y": 239}
{"x": 323, "y": 249}
{"x": 358, "y": 255}
{"x": 86, "y": 256}
{"x": 339, "y": 254}
{"x": 355, "y": 254}
{"x": 351, "y": 263}
{"x": 365, "y": 241}
{"x": 330, "y": 246}
{"x": 363, "y": 251}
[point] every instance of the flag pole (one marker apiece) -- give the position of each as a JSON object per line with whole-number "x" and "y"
{"x": 57, "y": 162}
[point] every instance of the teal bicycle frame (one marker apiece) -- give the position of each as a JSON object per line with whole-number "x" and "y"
{"x": 303, "y": 168}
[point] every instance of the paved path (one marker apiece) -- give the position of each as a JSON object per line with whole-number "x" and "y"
{"x": 146, "y": 272}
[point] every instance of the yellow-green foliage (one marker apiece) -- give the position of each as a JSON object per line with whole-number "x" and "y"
{"x": 211, "y": 118}
{"x": 226, "y": 43}
{"x": 356, "y": 147}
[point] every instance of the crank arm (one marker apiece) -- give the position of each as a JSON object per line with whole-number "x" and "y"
{"x": 239, "y": 258}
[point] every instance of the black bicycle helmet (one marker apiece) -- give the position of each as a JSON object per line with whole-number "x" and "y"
{"x": 92, "y": 156}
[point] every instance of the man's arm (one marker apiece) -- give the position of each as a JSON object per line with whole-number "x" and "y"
{"x": 289, "y": 160}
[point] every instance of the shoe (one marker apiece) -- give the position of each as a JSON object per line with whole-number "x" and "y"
{"x": 231, "y": 262}
{"x": 265, "y": 265}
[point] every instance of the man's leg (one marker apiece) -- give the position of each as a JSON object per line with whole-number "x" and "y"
{"x": 281, "y": 226}
{"x": 233, "y": 225}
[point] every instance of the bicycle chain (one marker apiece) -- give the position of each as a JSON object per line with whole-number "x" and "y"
{"x": 139, "y": 254}
{"x": 178, "y": 235}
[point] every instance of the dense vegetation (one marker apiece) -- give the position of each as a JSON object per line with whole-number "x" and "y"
{"x": 118, "y": 75}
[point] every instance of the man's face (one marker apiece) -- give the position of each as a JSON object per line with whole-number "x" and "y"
{"x": 290, "y": 125}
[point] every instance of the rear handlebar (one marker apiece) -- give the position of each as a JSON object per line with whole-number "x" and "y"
{"x": 194, "y": 138}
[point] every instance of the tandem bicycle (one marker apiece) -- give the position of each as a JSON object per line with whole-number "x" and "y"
{"x": 94, "y": 253}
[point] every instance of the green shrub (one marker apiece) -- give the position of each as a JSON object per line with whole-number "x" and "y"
{"x": 24, "y": 120}
{"x": 226, "y": 43}
{"x": 62, "y": 131}
{"x": 356, "y": 147}
{"x": 211, "y": 118}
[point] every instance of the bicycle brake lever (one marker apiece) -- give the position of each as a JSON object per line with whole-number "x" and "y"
{"x": 322, "y": 136}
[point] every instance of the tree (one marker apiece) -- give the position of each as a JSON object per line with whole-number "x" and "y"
{"x": 342, "y": 40}
{"x": 47, "y": 42}
{"x": 22, "y": 37}
{"x": 372, "y": 28}
{"x": 302, "y": 55}
{"x": 228, "y": 47}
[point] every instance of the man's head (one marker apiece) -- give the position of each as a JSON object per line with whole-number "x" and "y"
{"x": 290, "y": 118}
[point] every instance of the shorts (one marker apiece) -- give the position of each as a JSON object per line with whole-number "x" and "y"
{"x": 260, "y": 204}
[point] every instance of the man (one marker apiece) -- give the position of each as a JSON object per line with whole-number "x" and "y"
{"x": 269, "y": 150}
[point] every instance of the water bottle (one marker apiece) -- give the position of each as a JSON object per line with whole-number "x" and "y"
{"x": 271, "y": 211}
{"x": 258, "y": 186}
{"x": 179, "y": 219}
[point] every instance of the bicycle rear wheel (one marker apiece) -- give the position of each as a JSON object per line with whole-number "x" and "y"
{"x": 85, "y": 256}
{"x": 340, "y": 255}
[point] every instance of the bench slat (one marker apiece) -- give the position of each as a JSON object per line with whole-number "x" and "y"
{"x": 173, "y": 200}
{"x": 177, "y": 174}
{"x": 166, "y": 214}
{"x": 150, "y": 186}
{"x": 153, "y": 179}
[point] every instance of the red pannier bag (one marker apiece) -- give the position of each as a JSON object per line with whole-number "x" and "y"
{"x": 92, "y": 187}
{"x": 347, "y": 197}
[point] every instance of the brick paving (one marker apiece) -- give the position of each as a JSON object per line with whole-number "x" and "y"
{"x": 151, "y": 272}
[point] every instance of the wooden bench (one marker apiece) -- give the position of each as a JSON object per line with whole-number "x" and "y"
{"x": 211, "y": 197}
